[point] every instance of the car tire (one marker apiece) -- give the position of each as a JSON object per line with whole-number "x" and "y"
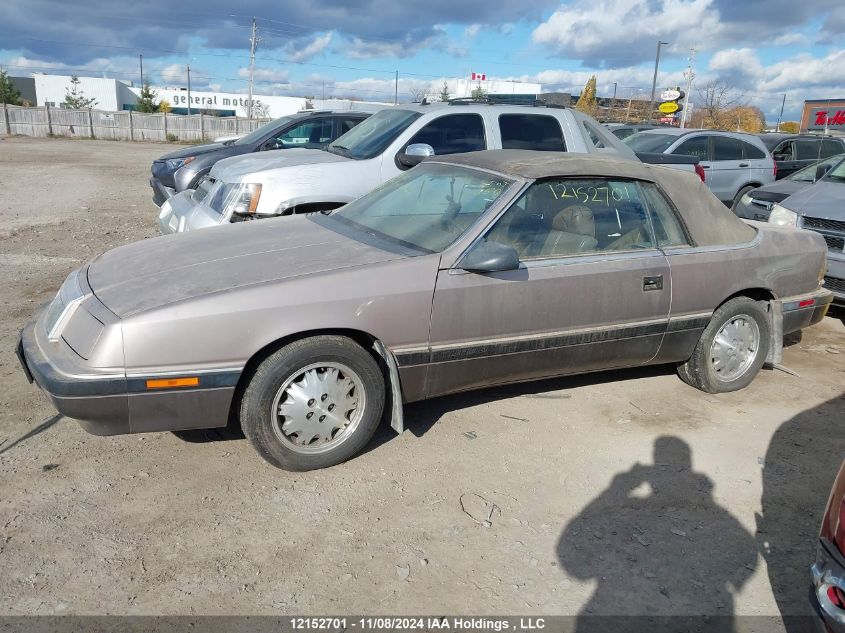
{"x": 739, "y": 195}
{"x": 314, "y": 403}
{"x": 743, "y": 330}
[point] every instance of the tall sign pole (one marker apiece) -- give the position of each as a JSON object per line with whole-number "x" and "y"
{"x": 141, "y": 60}
{"x": 690, "y": 75}
{"x": 654, "y": 80}
{"x": 189, "y": 90}
{"x": 780, "y": 116}
{"x": 252, "y": 43}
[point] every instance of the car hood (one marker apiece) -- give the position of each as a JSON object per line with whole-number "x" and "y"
{"x": 237, "y": 169}
{"x": 822, "y": 200}
{"x": 165, "y": 270}
{"x": 779, "y": 190}
{"x": 194, "y": 150}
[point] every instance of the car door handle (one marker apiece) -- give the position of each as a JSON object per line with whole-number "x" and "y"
{"x": 653, "y": 283}
{"x": 743, "y": 164}
{"x": 703, "y": 166}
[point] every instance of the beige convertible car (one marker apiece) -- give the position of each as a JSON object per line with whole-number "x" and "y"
{"x": 467, "y": 271}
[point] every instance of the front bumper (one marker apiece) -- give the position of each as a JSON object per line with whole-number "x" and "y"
{"x": 180, "y": 213}
{"x": 828, "y": 570}
{"x": 835, "y": 278}
{"x": 114, "y": 403}
{"x": 161, "y": 192}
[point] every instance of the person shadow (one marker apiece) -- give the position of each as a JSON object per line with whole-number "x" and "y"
{"x": 663, "y": 554}
{"x": 801, "y": 463}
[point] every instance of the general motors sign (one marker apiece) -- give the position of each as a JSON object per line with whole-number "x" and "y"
{"x": 826, "y": 118}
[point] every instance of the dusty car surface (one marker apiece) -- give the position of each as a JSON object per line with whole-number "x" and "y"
{"x": 465, "y": 272}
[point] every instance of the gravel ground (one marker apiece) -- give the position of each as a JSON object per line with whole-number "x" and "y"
{"x": 622, "y": 492}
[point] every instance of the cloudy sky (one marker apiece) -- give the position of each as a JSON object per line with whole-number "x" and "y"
{"x": 353, "y": 47}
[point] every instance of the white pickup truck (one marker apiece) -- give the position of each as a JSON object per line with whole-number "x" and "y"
{"x": 391, "y": 141}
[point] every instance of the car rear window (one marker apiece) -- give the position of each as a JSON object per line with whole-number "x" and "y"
{"x": 808, "y": 149}
{"x": 831, "y": 148}
{"x": 648, "y": 142}
{"x": 531, "y": 131}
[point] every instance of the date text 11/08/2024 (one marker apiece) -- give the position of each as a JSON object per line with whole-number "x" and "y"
{"x": 441, "y": 623}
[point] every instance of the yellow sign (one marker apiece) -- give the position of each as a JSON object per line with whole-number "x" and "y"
{"x": 669, "y": 107}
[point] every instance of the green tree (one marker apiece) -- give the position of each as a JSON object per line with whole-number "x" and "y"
{"x": 75, "y": 99}
{"x": 479, "y": 94}
{"x": 147, "y": 100}
{"x": 8, "y": 93}
{"x": 444, "y": 92}
{"x": 587, "y": 100}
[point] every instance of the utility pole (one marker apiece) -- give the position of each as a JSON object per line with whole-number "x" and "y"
{"x": 780, "y": 116}
{"x": 189, "y": 90}
{"x": 252, "y": 44}
{"x": 396, "y": 90}
{"x": 613, "y": 101}
{"x": 690, "y": 75}
{"x": 141, "y": 59}
{"x": 654, "y": 80}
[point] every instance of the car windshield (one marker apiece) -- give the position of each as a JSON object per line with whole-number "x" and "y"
{"x": 425, "y": 209}
{"x": 371, "y": 137}
{"x": 836, "y": 174}
{"x": 648, "y": 142}
{"x": 264, "y": 130}
{"x": 808, "y": 174}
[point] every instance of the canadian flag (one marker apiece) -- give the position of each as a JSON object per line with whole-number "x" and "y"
{"x": 479, "y": 77}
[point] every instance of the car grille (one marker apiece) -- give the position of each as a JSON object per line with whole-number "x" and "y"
{"x": 834, "y": 243}
{"x": 824, "y": 224}
{"x": 835, "y": 284}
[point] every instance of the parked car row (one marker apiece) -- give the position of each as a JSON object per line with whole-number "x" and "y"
{"x": 439, "y": 225}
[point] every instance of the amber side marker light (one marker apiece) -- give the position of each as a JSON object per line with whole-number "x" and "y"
{"x": 166, "y": 383}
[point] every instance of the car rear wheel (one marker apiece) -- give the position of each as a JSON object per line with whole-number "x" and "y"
{"x": 314, "y": 403}
{"x": 732, "y": 348}
{"x": 739, "y": 195}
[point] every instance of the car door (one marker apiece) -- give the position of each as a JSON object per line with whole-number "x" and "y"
{"x": 786, "y": 157}
{"x": 728, "y": 169}
{"x": 592, "y": 291}
{"x": 697, "y": 145}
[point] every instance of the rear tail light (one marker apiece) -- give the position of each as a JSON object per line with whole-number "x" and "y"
{"x": 700, "y": 171}
{"x": 776, "y": 170}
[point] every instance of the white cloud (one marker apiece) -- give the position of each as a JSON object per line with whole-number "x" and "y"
{"x": 268, "y": 75}
{"x": 472, "y": 30}
{"x": 790, "y": 39}
{"x": 174, "y": 74}
{"x": 740, "y": 61}
{"x": 313, "y": 48}
{"x": 615, "y": 31}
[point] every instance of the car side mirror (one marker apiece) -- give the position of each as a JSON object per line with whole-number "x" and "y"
{"x": 273, "y": 144}
{"x": 490, "y": 257}
{"x": 821, "y": 170}
{"x": 782, "y": 157}
{"x": 414, "y": 154}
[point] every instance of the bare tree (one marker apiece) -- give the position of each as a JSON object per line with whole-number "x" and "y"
{"x": 715, "y": 98}
{"x": 417, "y": 94}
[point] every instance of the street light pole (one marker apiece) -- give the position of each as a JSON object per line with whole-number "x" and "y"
{"x": 189, "y": 90}
{"x": 780, "y": 116}
{"x": 654, "y": 80}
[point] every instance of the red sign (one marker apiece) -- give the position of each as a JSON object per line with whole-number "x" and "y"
{"x": 828, "y": 118}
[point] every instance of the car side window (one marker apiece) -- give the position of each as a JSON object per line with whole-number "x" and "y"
{"x": 564, "y": 217}
{"x": 314, "y": 131}
{"x": 808, "y": 148}
{"x": 695, "y": 146}
{"x": 752, "y": 152}
{"x": 831, "y": 148}
{"x": 785, "y": 151}
{"x": 727, "y": 148}
{"x": 531, "y": 131}
{"x": 347, "y": 124}
{"x": 668, "y": 231}
{"x": 453, "y": 134}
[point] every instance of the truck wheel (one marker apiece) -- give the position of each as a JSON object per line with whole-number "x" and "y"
{"x": 314, "y": 403}
{"x": 732, "y": 348}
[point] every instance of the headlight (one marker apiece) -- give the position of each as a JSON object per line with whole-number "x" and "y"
{"x": 70, "y": 295}
{"x": 177, "y": 163}
{"x": 236, "y": 198}
{"x": 781, "y": 216}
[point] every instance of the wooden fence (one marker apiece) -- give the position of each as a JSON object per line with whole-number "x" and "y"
{"x": 132, "y": 126}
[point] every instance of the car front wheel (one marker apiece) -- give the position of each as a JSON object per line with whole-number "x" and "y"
{"x": 314, "y": 403}
{"x": 732, "y": 348}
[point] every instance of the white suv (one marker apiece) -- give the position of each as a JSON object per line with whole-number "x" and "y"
{"x": 734, "y": 163}
{"x": 297, "y": 181}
